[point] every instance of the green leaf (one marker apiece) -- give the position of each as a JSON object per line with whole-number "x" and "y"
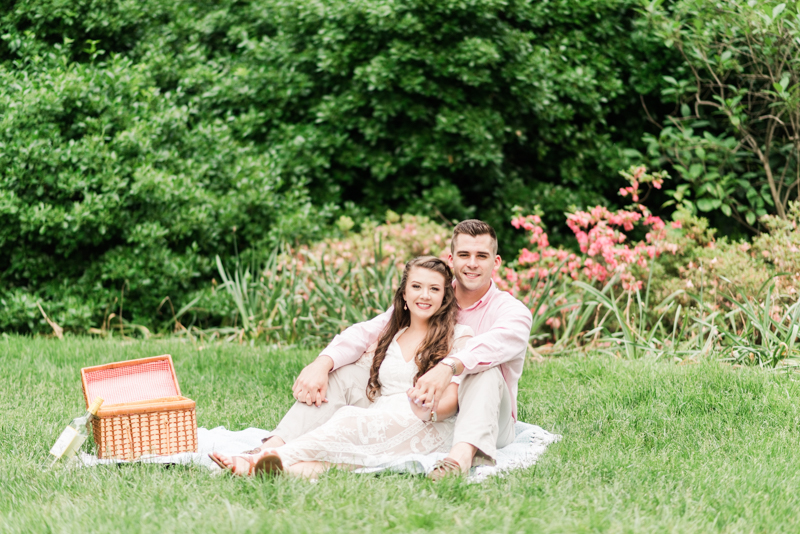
{"x": 685, "y": 110}
{"x": 707, "y": 204}
{"x": 750, "y": 217}
{"x": 777, "y": 10}
{"x": 726, "y": 210}
{"x": 785, "y": 80}
{"x": 632, "y": 153}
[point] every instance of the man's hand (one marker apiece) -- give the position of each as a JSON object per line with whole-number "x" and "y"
{"x": 312, "y": 384}
{"x": 430, "y": 387}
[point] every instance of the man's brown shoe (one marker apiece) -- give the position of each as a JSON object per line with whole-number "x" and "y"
{"x": 445, "y": 468}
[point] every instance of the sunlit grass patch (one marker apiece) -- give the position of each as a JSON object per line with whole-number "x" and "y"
{"x": 648, "y": 446}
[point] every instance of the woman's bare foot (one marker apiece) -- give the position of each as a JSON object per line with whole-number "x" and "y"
{"x": 242, "y": 465}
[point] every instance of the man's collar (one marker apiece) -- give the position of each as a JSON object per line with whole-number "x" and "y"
{"x": 484, "y": 298}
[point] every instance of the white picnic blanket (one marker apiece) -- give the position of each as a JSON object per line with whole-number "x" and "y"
{"x": 530, "y": 443}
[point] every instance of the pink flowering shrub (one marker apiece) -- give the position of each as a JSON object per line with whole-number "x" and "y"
{"x": 717, "y": 267}
{"x": 396, "y": 241}
{"x": 780, "y": 248}
{"x": 311, "y": 293}
{"x": 539, "y": 275}
{"x": 603, "y": 239}
{"x": 704, "y": 274}
{"x": 352, "y": 278}
{"x": 586, "y": 297}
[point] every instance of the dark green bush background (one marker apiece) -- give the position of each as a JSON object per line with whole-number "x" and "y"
{"x": 136, "y": 135}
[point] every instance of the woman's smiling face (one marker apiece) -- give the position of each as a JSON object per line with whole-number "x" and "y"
{"x": 424, "y": 293}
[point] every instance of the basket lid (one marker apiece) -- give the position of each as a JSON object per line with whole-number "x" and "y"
{"x": 131, "y": 381}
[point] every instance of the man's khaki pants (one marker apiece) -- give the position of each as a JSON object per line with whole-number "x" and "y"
{"x": 484, "y": 409}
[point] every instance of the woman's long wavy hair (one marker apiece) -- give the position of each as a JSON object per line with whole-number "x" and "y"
{"x": 441, "y": 326}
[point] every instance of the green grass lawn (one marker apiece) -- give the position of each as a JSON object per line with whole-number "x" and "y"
{"x": 647, "y": 446}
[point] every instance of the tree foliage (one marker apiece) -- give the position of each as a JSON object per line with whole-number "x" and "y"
{"x": 112, "y": 189}
{"x": 734, "y": 139}
{"x": 136, "y": 135}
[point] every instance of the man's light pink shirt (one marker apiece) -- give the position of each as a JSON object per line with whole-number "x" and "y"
{"x": 501, "y": 324}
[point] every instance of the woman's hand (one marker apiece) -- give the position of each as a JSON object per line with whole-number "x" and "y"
{"x": 445, "y": 407}
{"x": 431, "y": 386}
{"x": 311, "y": 385}
{"x": 423, "y": 412}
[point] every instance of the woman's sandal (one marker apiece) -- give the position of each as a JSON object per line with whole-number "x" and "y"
{"x": 269, "y": 464}
{"x": 445, "y": 468}
{"x": 251, "y": 464}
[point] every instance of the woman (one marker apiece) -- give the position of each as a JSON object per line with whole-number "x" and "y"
{"x": 420, "y": 333}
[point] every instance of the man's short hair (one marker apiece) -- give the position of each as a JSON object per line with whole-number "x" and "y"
{"x": 474, "y": 228}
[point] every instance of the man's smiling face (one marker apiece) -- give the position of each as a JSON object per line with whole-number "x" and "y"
{"x": 473, "y": 261}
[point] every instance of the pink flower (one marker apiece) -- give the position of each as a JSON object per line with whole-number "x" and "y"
{"x": 511, "y": 275}
{"x": 655, "y": 222}
{"x": 626, "y": 255}
{"x": 676, "y": 224}
{"x": 526, "y": 256}
{"x": 599, "y": 213}
{"x": 632, "y": 285}
{"x": 543, "y": 242}
{"x": 553, "y": 322}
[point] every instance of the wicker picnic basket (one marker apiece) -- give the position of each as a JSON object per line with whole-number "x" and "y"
{"x": 143, "y": 413}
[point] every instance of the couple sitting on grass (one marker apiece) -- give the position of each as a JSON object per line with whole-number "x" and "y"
{"x": 435, "y": 373}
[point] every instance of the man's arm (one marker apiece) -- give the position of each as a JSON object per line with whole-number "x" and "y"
{"x": 311, "y": 384}
{"x": 505, "y": 340}
{"x": 431, "y": 387}
{"x": 348, "y": 346}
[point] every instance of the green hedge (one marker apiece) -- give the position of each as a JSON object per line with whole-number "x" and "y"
{"x": 112, "y": 189}
{"x": 136, "y": 135}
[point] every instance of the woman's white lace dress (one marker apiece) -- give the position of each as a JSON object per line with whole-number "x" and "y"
{"x": 387, "y": 430}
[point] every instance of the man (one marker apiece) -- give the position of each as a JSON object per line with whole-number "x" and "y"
{"x": 492, "y": 362}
